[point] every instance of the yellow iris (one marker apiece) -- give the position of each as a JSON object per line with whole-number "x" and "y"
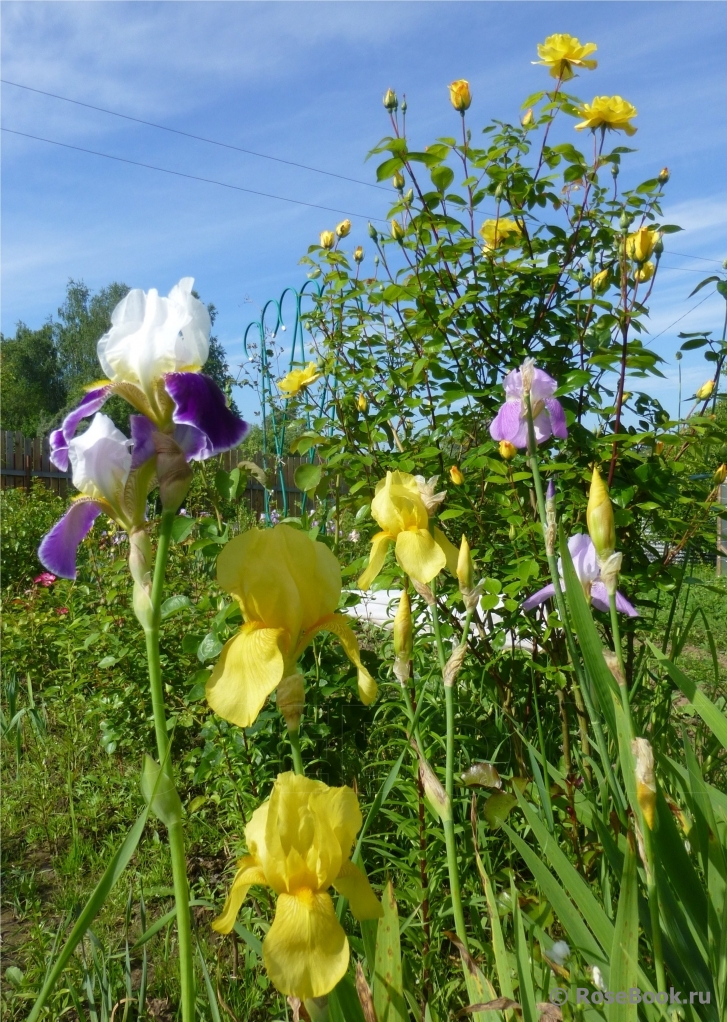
{"x": 399, "y": 510}
{"x": 608, "y": 112}
{"x": 562, "y": 52}
{"x": 299, "y": 379}
{"x": 495, "y": 232}
{"x": 300, "y": 843}
{"x": 288, "y": 588}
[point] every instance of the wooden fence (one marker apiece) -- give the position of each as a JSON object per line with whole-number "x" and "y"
{"x": 23, "y": 460}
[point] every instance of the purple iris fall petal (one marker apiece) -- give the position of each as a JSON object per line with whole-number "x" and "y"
{"x": 556, "y": 415}
{"x": 509, "y": 425}
{"x": 199, "y": 402}
{"x": 624, "y": 607}
{"x": 142, "y": 431}
{"x": 540, "y": 597}
{"x": 58, "y": 549}
{"x": 599, "y": 597}
{"x": 60, "y": 438}
{"x": 193, "y": 441}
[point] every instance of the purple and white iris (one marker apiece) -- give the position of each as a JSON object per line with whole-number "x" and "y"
{"x": 585, "y": 562}
{"x": 152, "y": 356}
{"x": 511, "y": 422}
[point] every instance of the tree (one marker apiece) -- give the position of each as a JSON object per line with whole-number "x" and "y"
{"x": 33, "y": 388}
{"x": 82, "y": 319}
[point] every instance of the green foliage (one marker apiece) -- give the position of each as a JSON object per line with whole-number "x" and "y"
{"x": 34, "y": 390}
{"x": 26, "y": 517}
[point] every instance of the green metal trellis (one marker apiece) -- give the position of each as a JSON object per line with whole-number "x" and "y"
{"x": 275, "y": 317}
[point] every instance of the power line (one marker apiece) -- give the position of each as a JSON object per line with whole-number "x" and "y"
{"x": 192, "y": 177}
{"x": 705, "y": 259}
{"x": 189, "y": 134}
{"x": 687, "y": 313}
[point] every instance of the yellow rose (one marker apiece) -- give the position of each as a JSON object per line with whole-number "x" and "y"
{"x": 288, "y": 588}
{"x": 343, "y": 228}
{"x": 390, "y": 101}
{"x": 400, "y": 512}
{"x": 300, "y": 844}
{"x": 705, "y": 391}
{"x": 527, "y": 119}
{"x": 299, "y": 379}
{"x": 599, "y": 517}
{"x": 507, "y": 450}
{"x": 495, "y": 232}
{"x": 460, "y": 96}
{"x": 362, "y": 403}
{"x": 328, "y": 239}
{"x": 720, "y": 474}
{"x": 455, "y": 474}
{"x": 599, "y": 283}
{"x": 611, "y": 112}
{"x": 397, "y": 231}
{"x": 562, "y": 52}
{"x": 644, "y": 273}
{"x": 641, "y": 244}
{"x": 358, "y": 253}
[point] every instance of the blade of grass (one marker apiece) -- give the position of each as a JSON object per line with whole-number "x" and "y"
{"x": 625, "y": 948}
{"x": 113, "y": 871}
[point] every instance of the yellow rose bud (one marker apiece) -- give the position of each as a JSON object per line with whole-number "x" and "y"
{"x": 328, "y": 239}
{"x": 599, "y": 283}
{"x": 507, "y": 450}
{"x": 460, "y": 96}
{"x": 659, "y": 447}
{"x": 358, "y": 253}
{"x": 465, "y": 567}
{"x": 343, "y": 228}
{"x": 640, "y": 245}
{"x": 645, "y": 273}
{"x": 455, "y": 474}
{"x": 403, "y": 630}
{"x": 398, "y": 181}
{"x": 720, "y": 475}
{"x": 362, "y": 403}
{"x": 390, "y": 101}
{"x": 599, "y": 516}
{"x": 663, "y": 175}
{"x": 645, "y": 779}
{"x": 705, "y": 391}
{"x": 397, "y": 231}
{"x": 527, "y": 119}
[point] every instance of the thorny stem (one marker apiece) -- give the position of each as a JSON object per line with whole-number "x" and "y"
{"x": 175, "y": 831}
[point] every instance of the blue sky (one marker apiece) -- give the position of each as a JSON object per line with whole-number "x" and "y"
{"x": 303, "y": 81}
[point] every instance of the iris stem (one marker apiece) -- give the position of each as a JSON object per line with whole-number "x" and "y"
{"x": 175, "y": 832}
{"x": 449, "y": 838}
{"x": 579, "y": 679}
{"x": 294, "y": 736}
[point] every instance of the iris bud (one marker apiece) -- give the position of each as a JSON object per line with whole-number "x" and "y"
{"x": 599, "y": 516}
{"x": 645, "y": 779}
{"x": 403, "y": 631}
